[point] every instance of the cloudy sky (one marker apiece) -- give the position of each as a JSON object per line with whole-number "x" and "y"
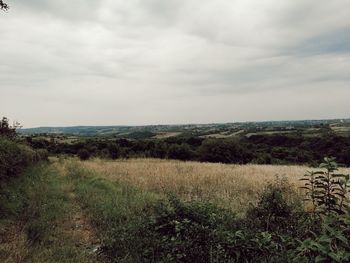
{"x": 114, "y": 62}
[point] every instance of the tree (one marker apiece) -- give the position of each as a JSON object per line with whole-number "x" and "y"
{"x": 180, "y": 152}
{"x": 84, "y": 154}
{"x": 3, "y": 6}
{"x": 6, "y": 130}
{"x": 114, "y": 150}
{"x": 223, "y": 151}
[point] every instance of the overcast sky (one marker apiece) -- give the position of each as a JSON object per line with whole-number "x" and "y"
{"x": 134, "y": 62}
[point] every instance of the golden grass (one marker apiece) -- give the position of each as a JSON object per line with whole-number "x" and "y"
{"x": 233, "y": 186}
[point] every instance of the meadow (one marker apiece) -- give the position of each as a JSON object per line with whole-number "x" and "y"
{"x": 231, "y": 186}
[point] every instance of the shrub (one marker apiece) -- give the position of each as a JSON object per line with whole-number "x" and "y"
{"x": 331, "y": 244}
{"x": 42, "y": 155}
{"x": 279, "y": 209}
{"x": 84, "y": 154}
{"x": 114, "y": 151}
{"x": 223, "y": 151}
{"x": 14, "y": 158}
{"x": 180, "y": 152}
{"x": 186, "y": 231}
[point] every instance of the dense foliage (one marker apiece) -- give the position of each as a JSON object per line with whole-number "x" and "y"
{"x": 259, "y": 149}
{"x": 15, "y": 156}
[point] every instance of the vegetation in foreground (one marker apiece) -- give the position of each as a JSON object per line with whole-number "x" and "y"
{"x": 43, "y": 211}
{"x": 36, "y": 219}
{"x": 134, "y": 224}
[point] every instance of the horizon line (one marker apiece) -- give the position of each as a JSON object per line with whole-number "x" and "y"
{"x": 183, "y": 124}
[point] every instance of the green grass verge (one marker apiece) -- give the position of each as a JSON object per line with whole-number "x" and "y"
{"x": 37, "y": 202}
{"x": 117, "y": 211}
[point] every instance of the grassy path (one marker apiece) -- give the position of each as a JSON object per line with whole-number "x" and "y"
{"x": 79, "y": 228}
{"x": 43, "y": 221}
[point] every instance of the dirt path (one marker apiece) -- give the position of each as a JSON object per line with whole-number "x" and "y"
{"x": 80, "y": 229}
{"x": 78, "y": 226}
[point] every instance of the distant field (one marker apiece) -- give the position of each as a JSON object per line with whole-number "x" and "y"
{"x": 267, "y": 133}
{"x": 164, "y": 135}
{"x": 232, "y": 186}
{"x": 223, "y": 134}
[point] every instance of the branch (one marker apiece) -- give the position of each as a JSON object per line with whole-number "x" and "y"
{"x": 3, "y": 6}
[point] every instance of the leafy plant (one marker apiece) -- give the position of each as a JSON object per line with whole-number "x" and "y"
{"x": 330, "y": 245}
{"x": 326, "y": 189}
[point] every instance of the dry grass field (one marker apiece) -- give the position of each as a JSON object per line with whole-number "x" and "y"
{"x": 233, "y": 186}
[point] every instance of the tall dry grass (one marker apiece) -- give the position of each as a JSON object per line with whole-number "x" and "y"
{"x": 233, "y": 186}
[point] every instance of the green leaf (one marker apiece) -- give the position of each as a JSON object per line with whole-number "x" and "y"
{"x": 320, "y": 258}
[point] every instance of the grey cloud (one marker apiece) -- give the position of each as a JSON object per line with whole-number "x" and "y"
{"x": 337, "y": 41}
{"x": 157, "y": 61}
{"x": 62, "y": 9}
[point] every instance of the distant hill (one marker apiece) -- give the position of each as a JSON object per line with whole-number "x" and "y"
{"x": 76, "y": 130}
{"x": 204, "y": 130}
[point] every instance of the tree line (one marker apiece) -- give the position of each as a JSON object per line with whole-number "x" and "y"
{"x": 258, "y": 149}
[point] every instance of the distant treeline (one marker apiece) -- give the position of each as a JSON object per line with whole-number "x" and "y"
{"x": 259, "y": 149}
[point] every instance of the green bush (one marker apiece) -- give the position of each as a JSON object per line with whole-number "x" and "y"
{"x": 114, "y": 151}
{"x": 186, "y": 232}
{"x": 14, "y": 158}
{"x": 279, "y": 209}
{"x": 330, "y": 244}
{"x": 42, "y": 155}
{"x": 180, "y": 152}
{"x": 223, "y": 151}
{"x": 84, "y": 154}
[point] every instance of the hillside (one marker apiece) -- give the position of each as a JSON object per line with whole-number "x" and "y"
{"x": 217, "y": 130}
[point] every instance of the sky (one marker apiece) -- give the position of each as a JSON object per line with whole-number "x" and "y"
{"x": 139, "y": 62}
